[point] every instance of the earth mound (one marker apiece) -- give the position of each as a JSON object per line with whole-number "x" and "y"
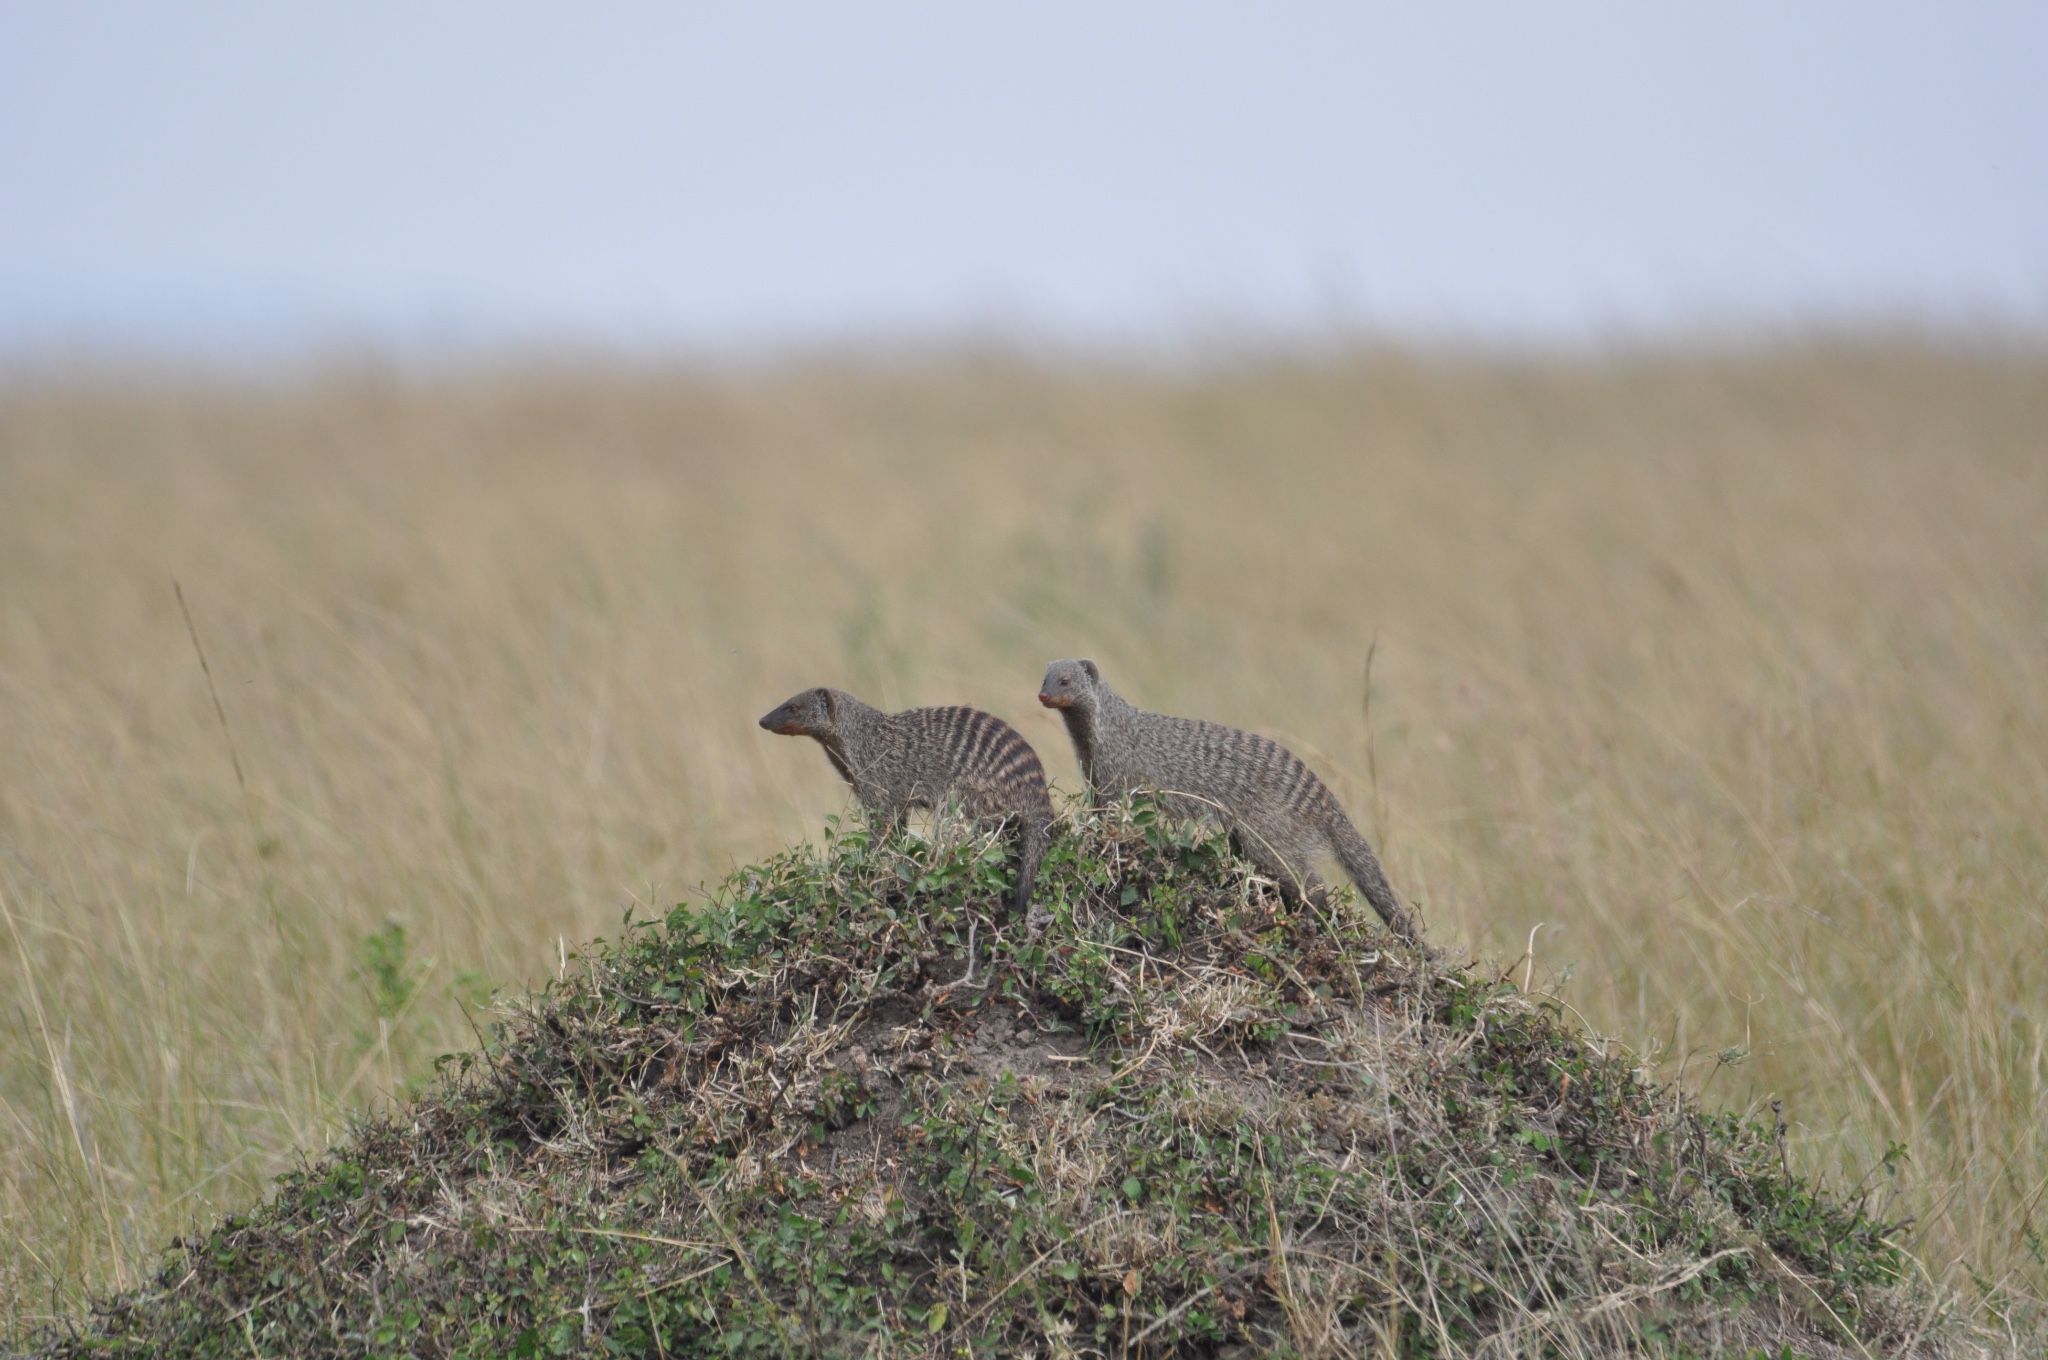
{"x": 845, "y": 1108}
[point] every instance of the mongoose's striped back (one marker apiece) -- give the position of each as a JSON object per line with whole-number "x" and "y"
{"x": 928, "y": 758}
{"x": 964, "y": 752}
{"x": 1282, "y": 816}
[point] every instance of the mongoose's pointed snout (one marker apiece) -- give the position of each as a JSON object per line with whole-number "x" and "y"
{"x": 781, "y": 722}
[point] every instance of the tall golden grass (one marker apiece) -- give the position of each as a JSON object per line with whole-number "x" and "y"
{"x": 1720, "y": 676}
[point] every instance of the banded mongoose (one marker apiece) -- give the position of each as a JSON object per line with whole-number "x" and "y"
{"x": 924, "y": 757}
{"x": 1283, "y": 818}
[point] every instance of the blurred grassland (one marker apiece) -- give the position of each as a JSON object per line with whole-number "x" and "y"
{"x": 1729, "y": 670}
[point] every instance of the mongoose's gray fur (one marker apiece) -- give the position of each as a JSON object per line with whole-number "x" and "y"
{"x": 1282, "y": 816}
{"x": 924, "y": 757}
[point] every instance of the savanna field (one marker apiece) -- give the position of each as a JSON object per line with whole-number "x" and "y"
{"x": 1706, "y": 690}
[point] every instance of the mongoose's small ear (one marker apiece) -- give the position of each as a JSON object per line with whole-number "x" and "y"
{"x": 1089, "y": 666}
{"x": 831, "y": 708}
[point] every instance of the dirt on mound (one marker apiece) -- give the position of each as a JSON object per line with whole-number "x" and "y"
{"x": 845, "y": 1108}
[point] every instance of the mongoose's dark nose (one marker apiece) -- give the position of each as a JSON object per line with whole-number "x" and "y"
{"x": 769, "y": 722}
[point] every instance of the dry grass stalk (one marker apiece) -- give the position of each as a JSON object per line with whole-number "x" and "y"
{"x": 1732, "y": 668}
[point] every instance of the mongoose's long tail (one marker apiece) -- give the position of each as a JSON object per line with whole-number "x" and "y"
{"x": 1037, "y": 836}
{"x": 1355, "y": 854}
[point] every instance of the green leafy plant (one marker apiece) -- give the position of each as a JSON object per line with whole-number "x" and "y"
{"x": 785, "y": 1121}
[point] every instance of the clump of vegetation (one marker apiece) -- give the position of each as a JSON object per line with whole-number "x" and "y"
{"x": 846, "y": 1108}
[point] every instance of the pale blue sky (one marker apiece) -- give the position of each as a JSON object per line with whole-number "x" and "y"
{"x": 237, "y": 176}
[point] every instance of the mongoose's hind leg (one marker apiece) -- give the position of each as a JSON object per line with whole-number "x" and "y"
{"x": 1297, "y": 882}
{"x": 1307, "y": 889}
{"x": 1037, "y": 836}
